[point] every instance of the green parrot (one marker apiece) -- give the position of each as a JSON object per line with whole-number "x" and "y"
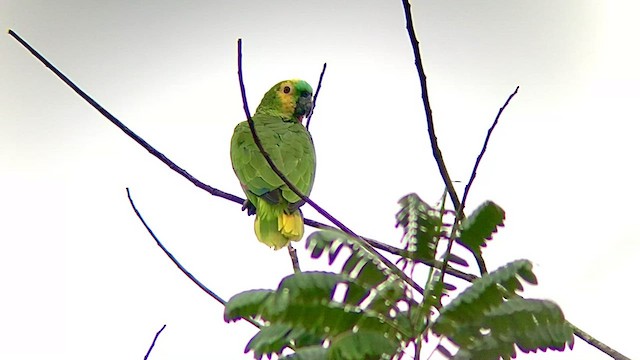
{"x": 278, "y": 124}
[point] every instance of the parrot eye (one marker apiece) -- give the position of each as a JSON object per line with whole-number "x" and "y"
{"x": 286, "y": 89}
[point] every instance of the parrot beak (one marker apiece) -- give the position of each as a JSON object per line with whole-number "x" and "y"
{"x": 303, "y": 106}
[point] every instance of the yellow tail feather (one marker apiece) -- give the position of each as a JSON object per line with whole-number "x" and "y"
{"x": 275, "y": 228}
{"x": 291, "y": 225}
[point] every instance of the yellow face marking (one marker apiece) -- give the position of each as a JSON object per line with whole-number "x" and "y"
{"x": 286, "y": 94}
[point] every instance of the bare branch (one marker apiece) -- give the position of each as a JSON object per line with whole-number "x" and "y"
{"x": 460, "y": 213}
{"x": 484, "y": 148}
{"x": 177, "y": 263}
{"x": 293, "y": 254}
{"x": 124, "y": 128}
{"x": 170, "y": 255}
{"x": 154, "y": 341}
{"x": 597, "y": 344}
{"x": 437, "y": 154}
{"x": 315, "y": 96}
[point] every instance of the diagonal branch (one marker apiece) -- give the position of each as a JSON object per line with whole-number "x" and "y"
{"x": 597, "y": 343}
{"x": 177, "y": 263}
{"x": 123, "y": 127}
{"x": 484, "y": 148}
{"x": 154, "y": 342}
{"x": 315, "y": 96}
{"x": 170, "y": 255}
{"x": 460, "y": 212}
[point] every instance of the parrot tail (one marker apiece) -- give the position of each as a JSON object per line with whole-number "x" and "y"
{"x": 275, "y": 227}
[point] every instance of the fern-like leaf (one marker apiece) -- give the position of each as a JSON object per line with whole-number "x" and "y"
{"x": 311, "y": 286}
{"x": 421, "y": 226}
{"x": 529, "y": 324}
{"x": 488, "y": 320}
{"x": 270, "y": 339}
{"x": 246, "y": 304}
{"x": 460, "y": 320}
{"x": 365, "y": 271}
{"x": 479, "y": 227}
{"x": 362, "y": 345}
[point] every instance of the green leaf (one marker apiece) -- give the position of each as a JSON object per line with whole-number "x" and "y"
{"x": 362, "y": 345}
{"x": 461, "y": 319}
{"x": 421, "y": 225}
{"x": 529, "y": 324}
{"x": 245, "y": 304}
{"x": 480, "y": 226}
{"x": 488, "y": 320}
{"x": 311, "y": 285}
{"x": 270, "y": 339}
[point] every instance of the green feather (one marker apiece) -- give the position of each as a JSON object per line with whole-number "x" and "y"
{"x": 289, "y": 145}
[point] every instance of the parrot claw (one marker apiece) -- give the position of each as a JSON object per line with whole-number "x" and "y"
{"x": 251, "y": 209}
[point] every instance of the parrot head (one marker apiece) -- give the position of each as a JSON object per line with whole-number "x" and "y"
{"x": 289, "y": 99}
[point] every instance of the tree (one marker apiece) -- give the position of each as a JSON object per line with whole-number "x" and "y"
{"x": 362, "y": 274}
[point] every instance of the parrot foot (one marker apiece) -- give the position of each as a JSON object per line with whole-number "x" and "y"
{"x": 251, "y": 209}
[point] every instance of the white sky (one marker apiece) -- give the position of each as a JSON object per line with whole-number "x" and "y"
{"x": 80, "y": 276}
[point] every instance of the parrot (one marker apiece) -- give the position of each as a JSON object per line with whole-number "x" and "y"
{"x": 278, "y": 124}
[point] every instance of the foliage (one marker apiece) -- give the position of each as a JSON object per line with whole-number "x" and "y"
{"x": 479, "y": 227}
{"x": 421, "y": 225}
{"x": 487, "y": 319}
{"x": 365, "y": 311}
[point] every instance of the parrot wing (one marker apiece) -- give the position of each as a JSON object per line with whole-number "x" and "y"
{"x": 290, "y": 147}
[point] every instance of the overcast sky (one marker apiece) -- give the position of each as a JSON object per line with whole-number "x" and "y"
{"x": 81, "y": 278}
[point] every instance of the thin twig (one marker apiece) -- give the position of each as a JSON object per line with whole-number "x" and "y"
{"x": 315, "y": 96}
{"x": 597, "y": 343}
{"x": 484, "y": 148}
{"x": 170, "y": 255}
{"x": 305, "y": 198}
{"x": 179, "y": 265}
{"x": 293, "y": 254}
{"x": 154, "y": 341}
{"x": 460, "y": 212}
